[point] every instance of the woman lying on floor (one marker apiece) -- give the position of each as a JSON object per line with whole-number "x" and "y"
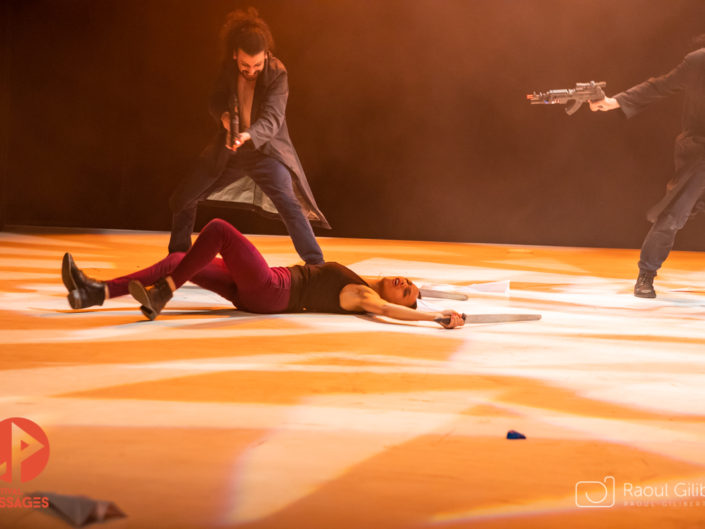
{"x": 243, "y": 277}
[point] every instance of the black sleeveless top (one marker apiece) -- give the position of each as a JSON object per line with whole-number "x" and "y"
{"x": 316, "y": 288}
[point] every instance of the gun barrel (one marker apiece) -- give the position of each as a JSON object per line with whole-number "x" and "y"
{"x": 551, "y": 97}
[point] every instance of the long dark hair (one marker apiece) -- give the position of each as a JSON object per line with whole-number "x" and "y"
{"x": 245, "y": 30}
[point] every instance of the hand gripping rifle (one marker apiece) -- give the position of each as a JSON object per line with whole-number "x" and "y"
{"x": 582, "y": 92}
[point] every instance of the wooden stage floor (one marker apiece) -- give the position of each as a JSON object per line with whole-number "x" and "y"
{"x": 208, "y": 417}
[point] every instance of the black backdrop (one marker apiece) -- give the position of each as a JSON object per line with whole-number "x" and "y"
{"x": 409, "y": 116}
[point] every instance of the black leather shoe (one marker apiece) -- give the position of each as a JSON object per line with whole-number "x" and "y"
{"x": 83, "y": 290}
{"x": 153, "y": 298}
{"x": 644, "y": 287}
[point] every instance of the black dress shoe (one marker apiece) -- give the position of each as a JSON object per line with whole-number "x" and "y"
{"x": 83, "y": 290}
{"x": 153, "y": 298}
{"x": 644, "y": 287}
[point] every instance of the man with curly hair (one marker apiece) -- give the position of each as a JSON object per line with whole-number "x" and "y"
{"x": 685, "y": 191}
{"x": 252, "y": 161}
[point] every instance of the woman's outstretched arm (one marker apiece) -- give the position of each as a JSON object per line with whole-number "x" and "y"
{"x": 363, "y": 298}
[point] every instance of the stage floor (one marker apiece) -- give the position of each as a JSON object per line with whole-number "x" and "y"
{"x": 209, "y": 417}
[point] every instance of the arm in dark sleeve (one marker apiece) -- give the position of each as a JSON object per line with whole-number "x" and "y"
{"x": 272, "y": 111}
{"x": 640, "y": 96}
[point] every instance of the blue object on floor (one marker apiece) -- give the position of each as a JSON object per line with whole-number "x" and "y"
{"x": 513, "y": 434}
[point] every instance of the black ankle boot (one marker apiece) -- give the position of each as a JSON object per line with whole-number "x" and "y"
{"x": 644, "y": 287}
{"x": 83, "y": 290}
{"x": 153, "y": 299}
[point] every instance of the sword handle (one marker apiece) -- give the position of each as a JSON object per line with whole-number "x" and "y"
{"x": 446, "y": 320}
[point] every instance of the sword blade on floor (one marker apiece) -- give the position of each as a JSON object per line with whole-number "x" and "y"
{"x": 492, "y": 318}
{"x": 475, "y": 318}
{"x": 443, "y": 294}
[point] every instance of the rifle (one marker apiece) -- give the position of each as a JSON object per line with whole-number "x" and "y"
{"x": 234, "y": 112}
{"x": 582, "y": 92}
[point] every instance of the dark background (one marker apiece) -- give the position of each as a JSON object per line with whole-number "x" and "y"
{"x": 410, "y": 117}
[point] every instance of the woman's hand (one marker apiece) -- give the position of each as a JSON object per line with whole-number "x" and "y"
{"x": 450, "y": 319}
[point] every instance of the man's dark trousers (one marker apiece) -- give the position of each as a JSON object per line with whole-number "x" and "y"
{"x": 660, "y": 239}
{"x": 270, "y": 175}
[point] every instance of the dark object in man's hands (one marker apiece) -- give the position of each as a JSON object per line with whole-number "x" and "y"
{"x": 234, "y": 123}
{"x": 582, "y": 92}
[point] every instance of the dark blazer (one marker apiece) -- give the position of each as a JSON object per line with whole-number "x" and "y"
{"x": 269, "y": 135}
{"x": 689, "y": 156}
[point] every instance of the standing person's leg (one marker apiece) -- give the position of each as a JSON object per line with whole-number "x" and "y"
{"x": 274, "y": 179}
{"x": 184, "y": 206}
{"x": 662, "y": 235}
{"x": 184, "y": 201}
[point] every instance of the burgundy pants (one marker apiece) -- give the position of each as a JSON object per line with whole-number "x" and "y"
{"x": 242, "y": 276}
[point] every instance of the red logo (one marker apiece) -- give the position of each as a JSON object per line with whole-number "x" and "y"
{"x": 24, "y": 450}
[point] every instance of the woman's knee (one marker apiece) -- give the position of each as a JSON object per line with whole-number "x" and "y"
{"x": 222, "y": 231}
{"x": 219, "y": 225}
